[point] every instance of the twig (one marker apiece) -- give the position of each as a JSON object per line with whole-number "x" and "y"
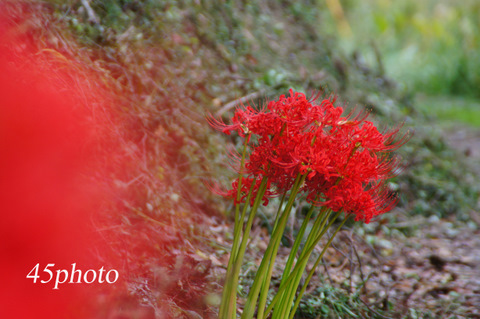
{"x": 327, "y": 272}
{"x": 141, "y": 214}
{"x": 409, "y": 223}
{"x": 352, "y": 269}
{"x": 375, "y": 254}
{"x": 92, "y": 17}
{"x": 370, "y": 309}
{"x": 362, "y": 277}
{"x": 239, "y": 101}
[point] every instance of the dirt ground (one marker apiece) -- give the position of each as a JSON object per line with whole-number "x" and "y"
{"x": 434, "y": 270}
{"x": 466, "y": 140}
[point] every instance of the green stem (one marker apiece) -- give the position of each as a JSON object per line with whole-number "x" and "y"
{"x": 295, "y": 247}
{"x": 277, "y": 217}
{"x": 269, "y": 259}
{"x": 227, "y": 290}
{"x": 287, "y": 299}
{"x": 238, "y": 226}
{"x": 298, "y": 277}
{"x": 239, "y": 222}
{"x": 232, "y": 299}
{"x": 266, "y": 280}
{"x": 297, "y": 269}
{"x": 312, "y": 271}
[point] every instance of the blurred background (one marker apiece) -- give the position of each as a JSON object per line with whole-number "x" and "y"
{"x": 431, "y": 47}
{"x": 146, "y": 73}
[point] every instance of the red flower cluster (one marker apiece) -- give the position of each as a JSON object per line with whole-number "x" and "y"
{"x": 346, "y": 160}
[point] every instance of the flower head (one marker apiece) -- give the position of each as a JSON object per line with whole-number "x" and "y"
{"x": 346, "y": 160}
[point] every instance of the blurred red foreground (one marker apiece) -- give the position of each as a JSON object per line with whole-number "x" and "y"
{"x": 46, "y": 199}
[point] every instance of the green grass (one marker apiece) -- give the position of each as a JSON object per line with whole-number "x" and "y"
{"x": 451, "y": 109}
{"x": 431, "y": 46}
{"x": 329, "y": 302}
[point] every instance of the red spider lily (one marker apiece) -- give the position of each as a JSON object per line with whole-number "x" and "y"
{"x": 346, "y": 159}
{"x": 295, "y": 146}
{"x": 363, "y": 202}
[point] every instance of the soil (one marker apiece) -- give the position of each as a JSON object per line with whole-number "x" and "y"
{"x": 436, "y": 270}
{"x": 467, "y": 141}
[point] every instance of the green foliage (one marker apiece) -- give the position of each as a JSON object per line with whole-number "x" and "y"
{"x": 433, "y": 46}
{"x": 330, "y": 302}
{"x": 449, "y": 109}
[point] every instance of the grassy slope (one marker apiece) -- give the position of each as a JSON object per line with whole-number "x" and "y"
{"x": 448, "y": 109}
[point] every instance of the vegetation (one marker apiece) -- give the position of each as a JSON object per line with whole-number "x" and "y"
{"x": 431, "y": 46}
{"x": 451, "y": 109}
{"x": 166, "y": 64}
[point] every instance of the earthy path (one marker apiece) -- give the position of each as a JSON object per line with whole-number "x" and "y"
{"x": 438, "y": 269}
{"x": 466, "y": 140}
